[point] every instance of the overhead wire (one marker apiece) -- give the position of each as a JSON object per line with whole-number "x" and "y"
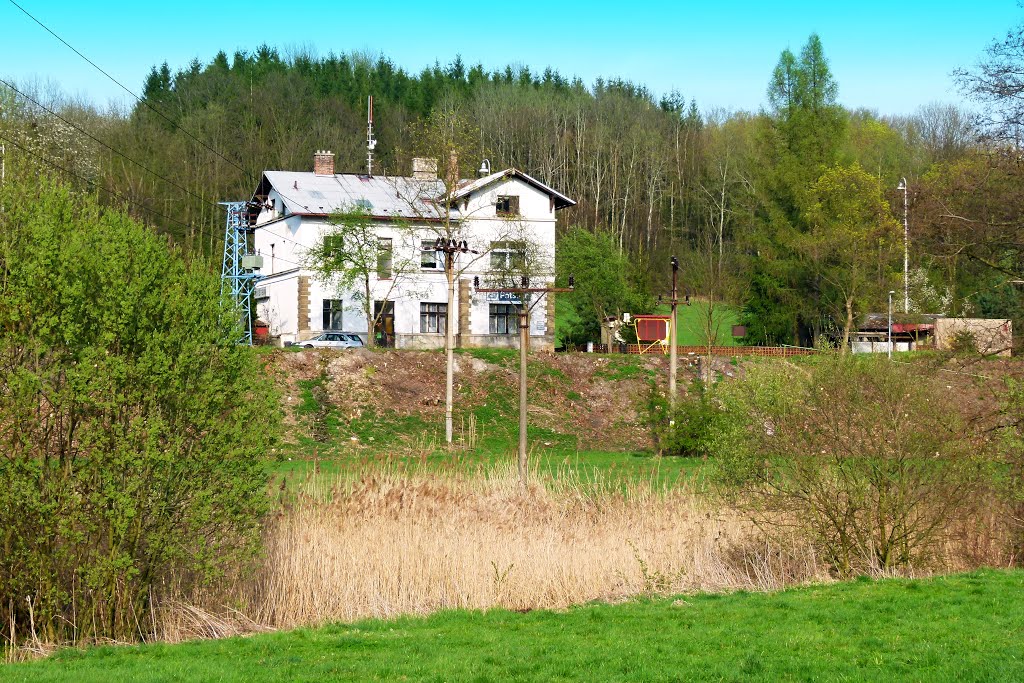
{"x": 112, "y": 149}
{"x": 124, "y": 198}
{"x": 141, "y": 101}
{"x": 93, "y": 183}
{"x": 149, "y": 106}
{"x": 127, "y": 90}
{"x": 128, "y": 158}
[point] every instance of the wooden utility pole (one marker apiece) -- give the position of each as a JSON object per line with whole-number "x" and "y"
{"x": 451, "y": 248}
{"x": 525, "y": 307}
{"x": 673, "y": 339}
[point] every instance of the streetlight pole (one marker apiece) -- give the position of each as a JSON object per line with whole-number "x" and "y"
{"x": 525, "y": 308}
{"x": 891, "y": 292}
{"x": 906, "y": 248}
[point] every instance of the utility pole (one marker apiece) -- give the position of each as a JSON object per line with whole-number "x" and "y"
{"x": 673, "y": 340}
{"x": 906, "y": 248}
{"x": 525, "y": 307}
{"x": 371, "y": 142}
{"x": 451, "y": 248}
{"x": 238, "y": 270}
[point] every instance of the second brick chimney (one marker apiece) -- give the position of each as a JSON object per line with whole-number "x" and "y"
{"x": 323, "y": 162}
{"x": 424, "y": 169}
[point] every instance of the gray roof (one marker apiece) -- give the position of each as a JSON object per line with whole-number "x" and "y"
{"x": 880, "y": 321}
{"x": 306, "y": 193}
{"x": 384, "y": 197}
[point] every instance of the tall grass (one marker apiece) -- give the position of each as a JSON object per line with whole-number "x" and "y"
{"x": 392, "y": 542}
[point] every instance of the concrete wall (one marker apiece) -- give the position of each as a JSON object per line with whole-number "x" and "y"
{"x": 992, "y": 336}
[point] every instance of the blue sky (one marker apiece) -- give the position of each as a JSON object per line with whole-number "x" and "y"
{"x": 888, "y": 56}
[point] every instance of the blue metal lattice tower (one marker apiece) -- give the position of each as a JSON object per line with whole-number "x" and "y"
{"x": 238, "y": 276}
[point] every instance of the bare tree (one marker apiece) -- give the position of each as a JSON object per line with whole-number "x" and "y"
{"x": 997, "y": 82}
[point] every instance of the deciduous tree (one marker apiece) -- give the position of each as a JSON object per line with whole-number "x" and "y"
{"x": 850, "y": 244}
{"x": 133, "y": 429}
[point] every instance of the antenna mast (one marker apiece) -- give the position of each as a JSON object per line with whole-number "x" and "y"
{"x": 371, "y": 141}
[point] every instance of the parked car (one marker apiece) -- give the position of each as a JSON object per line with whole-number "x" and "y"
{"x": 333, "y": 340}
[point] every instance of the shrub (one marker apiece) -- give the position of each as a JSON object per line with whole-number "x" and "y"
{"x": 688, "y": 429}
{"x": 1013, "y": 448}
{"x": 131, "y": 425}
{"x": 873, "y": 460}
{"x": 607, "y": 284}
{"x": 963, "y": 343}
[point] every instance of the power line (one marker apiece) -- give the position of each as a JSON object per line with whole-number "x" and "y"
{"x": 281, "y": 258}
{"x": 95, "y": 184}
{"x": 286, "y": 239}
{"x": 115, "y": 151}
{"x": 123, "y": 87}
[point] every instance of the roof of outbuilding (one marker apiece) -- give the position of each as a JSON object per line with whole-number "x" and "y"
{"x": 880, "y": 321}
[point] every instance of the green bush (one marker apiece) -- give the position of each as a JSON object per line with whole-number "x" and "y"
{"x": 690, "y": 428}
{"x": 1013, "y": 448}
{"x": 963, "y": 343}
{"x": 131, "y": 425}
{"x": 607, "y": 284}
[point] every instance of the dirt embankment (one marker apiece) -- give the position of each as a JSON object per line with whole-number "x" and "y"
{"x": 597, "y": 398}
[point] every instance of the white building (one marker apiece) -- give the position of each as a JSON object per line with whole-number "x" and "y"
{"x": 495, "y": 214}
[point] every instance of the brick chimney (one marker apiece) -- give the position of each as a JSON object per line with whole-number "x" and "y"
{"x": 323, "y": 162}
{"x": 453, "y": 170}
{"x": 424, "y": 169}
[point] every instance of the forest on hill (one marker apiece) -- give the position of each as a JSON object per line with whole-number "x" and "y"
{"x": 792, "y": 213}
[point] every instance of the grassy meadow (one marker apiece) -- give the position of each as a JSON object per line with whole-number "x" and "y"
{"x": 955, "y": 628}
{"x": 691, "y": 321}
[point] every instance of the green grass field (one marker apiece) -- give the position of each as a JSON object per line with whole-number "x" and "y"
{"x": 966, "y": 627}
{"x": 606, "y": 467}
{"x": 690, "y": 321}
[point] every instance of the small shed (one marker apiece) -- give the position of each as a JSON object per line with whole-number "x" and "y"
{"x": 989, "y": 336}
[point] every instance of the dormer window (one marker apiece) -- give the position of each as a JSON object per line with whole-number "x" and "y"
{"x": 507, "y": 205}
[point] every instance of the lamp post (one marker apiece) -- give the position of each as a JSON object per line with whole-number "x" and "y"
{"x": 891, "y": 292}
{"x": 906, "y": 249}
{"x": 524, "y": 291}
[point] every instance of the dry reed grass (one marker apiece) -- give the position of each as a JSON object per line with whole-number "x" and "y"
{"x": 393, "y": 542}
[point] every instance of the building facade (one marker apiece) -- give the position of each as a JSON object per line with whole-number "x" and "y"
{"x": 507, "y": 218}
